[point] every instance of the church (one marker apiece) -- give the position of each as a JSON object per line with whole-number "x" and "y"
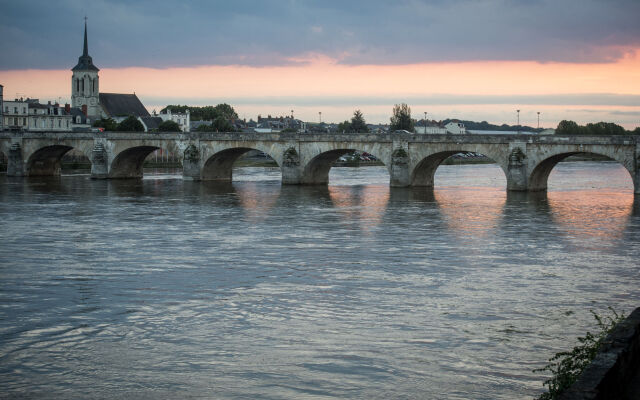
{"x": 85, "y": 93}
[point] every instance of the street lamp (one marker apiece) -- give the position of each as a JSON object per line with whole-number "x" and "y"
{"x": 320, "y": 114}
{"x": 425, "y": 122}
{"x": 538, "y": 119}
{"x": 518, "y": 111}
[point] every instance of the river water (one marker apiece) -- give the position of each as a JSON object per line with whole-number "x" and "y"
{"x": 161, "y": 288}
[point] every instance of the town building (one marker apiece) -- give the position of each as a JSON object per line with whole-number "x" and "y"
{"x": 119, "y": 106}
{"x": 455, "y": 127}
{"x": 16, "y": 115}
{"x": 48, "y": 117}
{"x": 150, "y": 123}
{"x": 182, "y": 119}
{"x": 429, "y": 127}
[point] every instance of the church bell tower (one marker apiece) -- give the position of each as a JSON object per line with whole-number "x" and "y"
{"x": 84, "y": 83}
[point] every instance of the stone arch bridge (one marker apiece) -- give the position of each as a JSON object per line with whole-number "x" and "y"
{"x": 411, "y": 159}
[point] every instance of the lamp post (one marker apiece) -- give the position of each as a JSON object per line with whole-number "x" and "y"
{"x": 425, "y": 122}
{"x": 320, "y": 115}
{"x": 538, "y": 119}
{"x": 518, "y": 111}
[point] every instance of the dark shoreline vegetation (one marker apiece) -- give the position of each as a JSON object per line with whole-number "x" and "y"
{"x": 567, "y": 366}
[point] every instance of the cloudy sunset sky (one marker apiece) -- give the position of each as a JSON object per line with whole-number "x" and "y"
{"x": 467, "y": 59}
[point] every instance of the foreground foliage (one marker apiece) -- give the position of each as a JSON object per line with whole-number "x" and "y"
{"x": 567, "y": 366}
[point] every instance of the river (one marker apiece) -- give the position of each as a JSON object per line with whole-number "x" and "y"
{"x": 163, "y": 288}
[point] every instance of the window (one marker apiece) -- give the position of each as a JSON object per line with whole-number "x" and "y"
{"x": 24, "y": 122}
{"x": 24, "y": 110}
{"x": 82, "y": 85}
{"x": 59, "y": 123}
{"x": 15, "y": 110}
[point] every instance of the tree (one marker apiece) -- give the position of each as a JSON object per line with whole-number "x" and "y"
{"x": 636, "y": 131}
{"x": 358, "y": 124}
{"x": 597, "y": 129}
{"x": 107, "y": 123}
{"x": 344, "y": 126}
{"x": 169, "y": 126}
{"x": 206, "y": 113}
{"x": 604, "y": 128}
{"x": 130, "y": 124}
{"x": 567, "y": 128}
{"x": 225, "y": 110}
{"x": 401, "y": 119}
{"x": 205, "y": 128}
{"x": 221, "y": 124}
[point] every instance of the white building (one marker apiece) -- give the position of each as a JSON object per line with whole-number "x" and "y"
{"x": 48, "y": 117}
{"x": 184, "y": 120}
{"x": 430, "y": 127}
{"x": 455, "y": 127}
{"x": 16, "y": 114}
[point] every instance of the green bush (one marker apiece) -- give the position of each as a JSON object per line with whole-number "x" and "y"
{"x": 169, "y": 126}
{"x": 567, "y": 366}
{"x": 131, "y": 124}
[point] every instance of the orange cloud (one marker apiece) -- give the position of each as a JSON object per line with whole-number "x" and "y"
{"x": 318, "y": 76}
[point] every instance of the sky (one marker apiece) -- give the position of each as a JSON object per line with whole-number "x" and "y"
{"x": 468, "y": 59}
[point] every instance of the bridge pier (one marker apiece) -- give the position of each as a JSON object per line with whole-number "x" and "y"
{"x": 99, "y": 162}
{"x": 15, "y": 165}
{"x": 517, "y": 174}
{"x": 290, "y": 168}
{"x": 191, "y": 168}
{"x": 400, "y": 176}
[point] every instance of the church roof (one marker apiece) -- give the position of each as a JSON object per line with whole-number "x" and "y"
{"x": 85, "y": 62}
{"x": 151, "y": 122}
{"x": 119, "y": 105}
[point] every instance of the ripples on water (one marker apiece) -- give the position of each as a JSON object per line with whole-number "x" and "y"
{"x": 162, "y": 288}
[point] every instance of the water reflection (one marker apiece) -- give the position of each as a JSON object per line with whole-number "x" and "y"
{"x": 471, "y": 212}
{"x": 257, "y": 199}
{"x": 365, "y": 204}
{"x": 583, "y": 215}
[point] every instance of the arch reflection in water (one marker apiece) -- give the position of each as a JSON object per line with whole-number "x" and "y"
{"x": 365, "y": 205}
{"x": 591, "y": 218}
{"x": 471, "y": 212}
{"x": 590, "y": 202}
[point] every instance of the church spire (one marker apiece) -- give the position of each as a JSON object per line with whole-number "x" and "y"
{"x": 85, "y": 63}
{"x": 85, "y": 53}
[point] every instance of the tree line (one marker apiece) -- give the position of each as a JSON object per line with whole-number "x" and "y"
{"x": 593, "y": 129}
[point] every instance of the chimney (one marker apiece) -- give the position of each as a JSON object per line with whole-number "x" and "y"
{"x": 84, "y": 109}
{"x": 67, "y": 108}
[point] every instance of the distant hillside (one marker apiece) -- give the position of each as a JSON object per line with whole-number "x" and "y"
{"x": 485, "y": 126}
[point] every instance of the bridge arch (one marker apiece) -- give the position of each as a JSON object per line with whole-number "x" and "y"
{"x": 423, "y": 172}
{"x": 47, "y": 160}
{"x": 316, "y": 168}
{"x": 219, "y": 165}
{"x": 539, "y": 176}
{"x": 129, "y": 162}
